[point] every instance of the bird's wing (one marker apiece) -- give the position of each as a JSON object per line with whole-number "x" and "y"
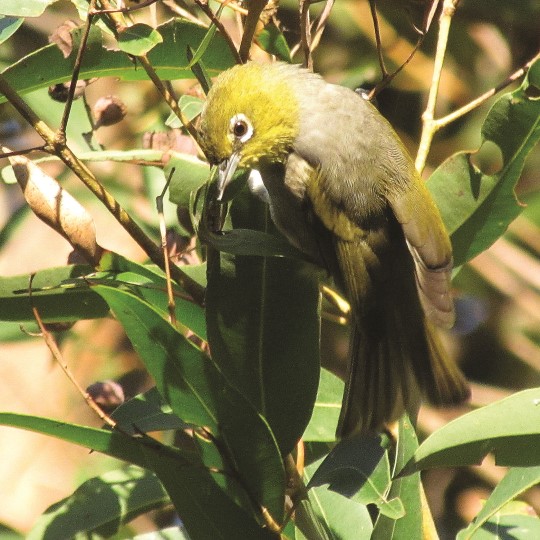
{"x": 430, "y": 247}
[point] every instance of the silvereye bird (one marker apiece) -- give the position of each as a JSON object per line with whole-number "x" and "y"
{"x": 343, "y": 190}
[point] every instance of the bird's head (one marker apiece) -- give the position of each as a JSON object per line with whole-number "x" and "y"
{"x": 251, "y": 115}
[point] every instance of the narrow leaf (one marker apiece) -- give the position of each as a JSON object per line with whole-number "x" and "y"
{"x": 516, "y": 481}
{"x": 508, "y": 428}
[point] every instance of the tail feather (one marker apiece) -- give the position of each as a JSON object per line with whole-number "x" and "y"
{"x": 395, "y": 354}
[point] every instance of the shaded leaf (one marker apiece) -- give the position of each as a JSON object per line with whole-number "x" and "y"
{"x": 198, "y": 393}
{"x": 358, "y": 469}
{"x": 146, "y": 412}
{"x": 508, "y": 428}
{"x": 272, "y": 40}
{"x": 8, "y": 26}
{"x": 476, "y": 207}
{"x": 263, "y": 327}
{"x": 101, "y": 505}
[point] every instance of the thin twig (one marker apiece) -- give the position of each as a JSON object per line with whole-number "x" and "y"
{"x": 320, "y": 23}
{"x": 163, "y": 231}
{"x": 61, "y": 133}
{"x": 448, "y": 10}
{"x": 445, "y": 120}
{"x": 13, "y": 153}
{"x": 57, "y": 355}
{"x": 374, "y": 16}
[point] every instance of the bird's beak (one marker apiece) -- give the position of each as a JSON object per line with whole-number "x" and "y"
{"x": 226, "y": 170}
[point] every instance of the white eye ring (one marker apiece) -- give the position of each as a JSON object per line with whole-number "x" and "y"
{"x": 241, "y": 128}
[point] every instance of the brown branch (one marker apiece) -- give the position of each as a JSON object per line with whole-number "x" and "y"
{"x": 203, "y": 4}
{"x": 61, "y": 133}
{"x": 305, "y": 33}
{"x": 163, "y": 232}
{"x": 374, "y": 16}
{"x": 255, "y": 9}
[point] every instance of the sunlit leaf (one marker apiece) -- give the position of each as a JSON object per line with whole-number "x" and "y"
{"x": 47, "y": 65}
{"x": 476, "y": 207}
{"x": 508, "y": 428}
{"x": 358, "y": 469}
{"x": 28, "y": 8}
{"x": 328, "y": 515}
{"x": 407, "y": 490}
{"x": 516, "y": 481}
{"x": 54, "y": 295}
{"x": 138, "y": 39}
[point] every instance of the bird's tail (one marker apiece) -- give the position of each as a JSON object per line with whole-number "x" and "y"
{"x": 396, "y": 357}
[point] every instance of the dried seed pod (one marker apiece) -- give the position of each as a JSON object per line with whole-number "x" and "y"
{"x": 108, "y": 110}
{"x": 107, "y": 394}
{"x": 56, "y": 207}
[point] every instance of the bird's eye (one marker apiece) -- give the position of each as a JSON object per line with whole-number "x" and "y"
{"x": 240, "y": 128}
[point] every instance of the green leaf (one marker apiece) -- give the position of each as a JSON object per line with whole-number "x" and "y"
{"x": 516, "y": 481}
{"x": 323, "y": 423}
{"x": 54, "y": 295}
{"x": 245, "y": 242}
{"x": 146, "y": 412}
{"x": 408, "y": 490}
{"x": 149, "y": 283}
{"x": 26, "y": 8}
{"x": 358, "y": 469}
{"x": 198, "y": 393}
{"x": 272, "y": 40}
{"x": 476, "y": 207}
{"x": 328, "y": 515}
{"x": 204, "y": 509}
{"x": 189, "y": 175}
{"x": 191, "y": 106}
{"x": 508, "y": 526}
{"x": 102, "y": 504}
{"x": 8, "y": 26}
{"x": 47, "y": 65}
{"x": 107, "y": 442}
{"x": 508, "y": 428}
{"x": 138, "y": 39}
{"x": 263, "y": 327}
